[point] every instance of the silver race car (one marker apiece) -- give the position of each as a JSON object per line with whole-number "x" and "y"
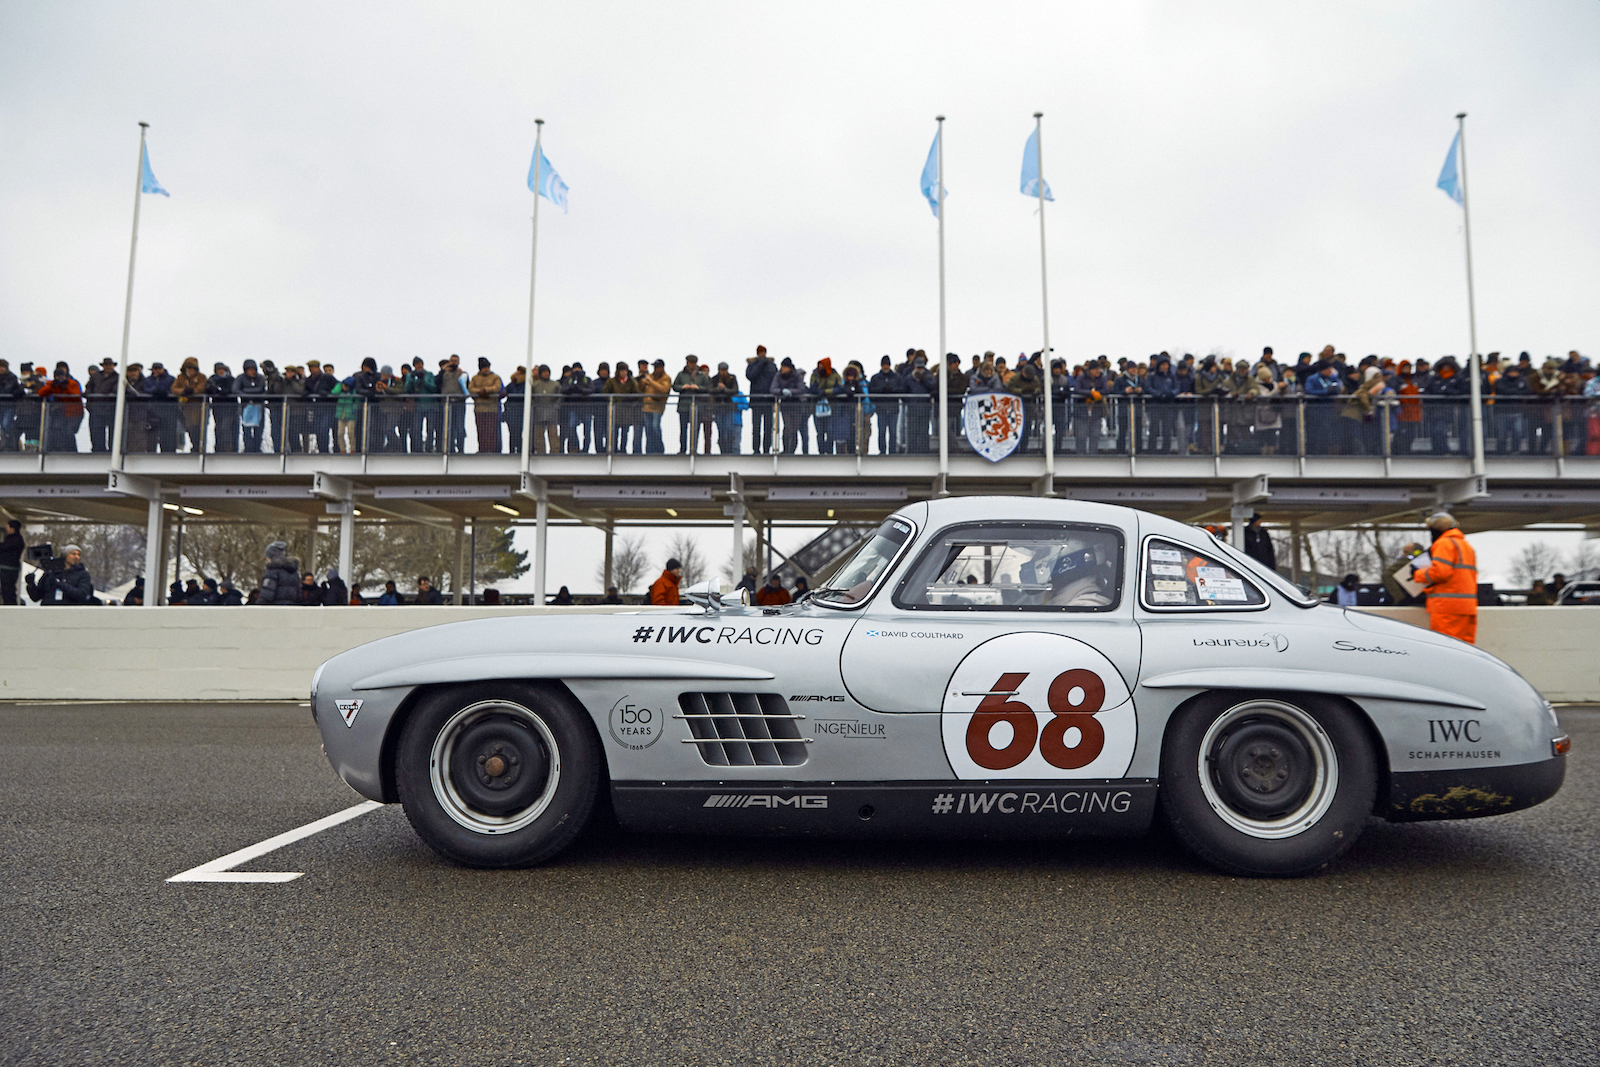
{"x": 977, "y": 668}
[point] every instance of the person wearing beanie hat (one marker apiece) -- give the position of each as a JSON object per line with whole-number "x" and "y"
{"x": 251, "y": 388}
{"x": 70, "y": 585}
{"x": 789, "y": 391}
{"x": 664, "y": 590}
{"x": 759, "y": 371}
{"x": 485, "y": 388}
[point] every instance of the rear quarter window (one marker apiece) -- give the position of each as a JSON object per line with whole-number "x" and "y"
{"x": 1176, "y": 577}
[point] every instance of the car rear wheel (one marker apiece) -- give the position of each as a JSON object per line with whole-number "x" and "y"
{"x": 1267, "y": 785}
{"x": 499, "y": 774}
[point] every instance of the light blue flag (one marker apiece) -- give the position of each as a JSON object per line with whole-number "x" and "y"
{"x": 550, "y": 186}
{"x": 1450, "y": 176}
{"x": 1030, "y": 168}
{"x": 147, "y": 178}
{"x": 930, "y": 177}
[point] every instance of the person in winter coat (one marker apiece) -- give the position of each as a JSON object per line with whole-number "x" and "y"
{"x": 1451, "y": 578}
{"x": 1162, "y": 387}
{"x": 426, "y": 593}
{"x": 921, "y": 385}
{"x": 789, "y": 390}
{"x": 189, "y": 387}
{"x": 664, "y": 590}
{"x": 250, "y": 388}
{"x": 485, "y": 388}
{"x": 724, "y": 387}
{"x": 1443, "y": 417}
{"x": 451, "y": 385}
{"x": 884, "y": 386}
{"x": 1257, "y": 542}
{"x": 694, "y": 409}
{"x": 846, "y": 398}
{"x": 280, "y": 581}
{"x": 624, "y": 411}
{"x": 228, "y": 596}
{"x": 334, "y": 592}
{"x": 101, "y": 387}
{"x": 760, "y": 372}
{"x": 71, "y": 585}
{"x": 773, "y": 593}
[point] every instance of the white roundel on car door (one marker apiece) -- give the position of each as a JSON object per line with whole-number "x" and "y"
{"x": 1038, "y": 706}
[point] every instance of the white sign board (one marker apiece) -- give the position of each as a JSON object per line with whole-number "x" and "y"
{"x": 641, "y": 493}
{"x": 441, "y": 492}
{"x": 804, "y": 493}
{"x": 245, "y": 492}
{"x": 1339, "y": 495}
{"x": 77, "y": 491}
{"x": 1525, "y": 498}
{"x": 1136, "y": 494}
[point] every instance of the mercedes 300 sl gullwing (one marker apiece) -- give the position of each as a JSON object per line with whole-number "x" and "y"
{"x": 976, "y": 668}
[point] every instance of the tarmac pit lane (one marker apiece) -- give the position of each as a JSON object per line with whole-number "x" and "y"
{"x": 1467, "y": 942}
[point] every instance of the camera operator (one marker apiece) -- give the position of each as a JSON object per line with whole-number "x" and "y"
{"x": 63, "y": 580}
{"x": 10, "y": 561}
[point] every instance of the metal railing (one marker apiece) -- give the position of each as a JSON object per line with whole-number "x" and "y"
{"x": 631, "y": 424}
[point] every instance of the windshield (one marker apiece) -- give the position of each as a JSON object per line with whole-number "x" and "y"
{"x": 1285, "y": 588}
{"x": 851, "y": 583}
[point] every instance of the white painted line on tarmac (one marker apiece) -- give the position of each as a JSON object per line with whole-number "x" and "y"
{"x": 218, "y": 869}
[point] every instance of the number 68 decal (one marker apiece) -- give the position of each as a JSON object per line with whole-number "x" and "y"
{"x": 1038, "y": 706}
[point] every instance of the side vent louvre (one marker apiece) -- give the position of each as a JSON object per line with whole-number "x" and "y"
{"x": 743, "y": 729}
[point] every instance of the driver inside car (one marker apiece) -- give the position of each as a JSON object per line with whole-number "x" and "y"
{"x": 1073, "y": 574}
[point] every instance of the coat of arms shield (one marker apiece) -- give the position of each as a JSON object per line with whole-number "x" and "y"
{"x": 993, "y": 424}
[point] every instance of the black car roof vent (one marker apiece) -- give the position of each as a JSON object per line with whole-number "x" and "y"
{"x": 743, "y": 729}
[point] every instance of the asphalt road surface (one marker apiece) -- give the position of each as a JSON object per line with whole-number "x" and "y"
{"x": 1448, "y": 943}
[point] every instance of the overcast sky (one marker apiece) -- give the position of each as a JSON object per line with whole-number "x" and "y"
{"x": 349, "y": 181}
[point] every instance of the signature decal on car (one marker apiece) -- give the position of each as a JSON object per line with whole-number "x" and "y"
{"x": 764, "y": 800}
{"x": 1351, "y": 646}
{"x": 1065, "y": 802}
{"x": 922, "y": 634}
{"x": 348, "y": 709}
{"x": 850, "y": 729}
{"x": 726, "y": 635}
{"x": 634, "y": 725}
{"x": 1275, "y": 641}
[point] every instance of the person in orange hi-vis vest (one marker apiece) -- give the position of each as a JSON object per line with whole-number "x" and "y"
{"x": 1451, "y": 581}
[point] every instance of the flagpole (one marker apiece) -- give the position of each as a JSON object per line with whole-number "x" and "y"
{"x": 527, "y": 366}
{"x": 127, "y": 313}
{"x": 1044, "y": 288}
{"x": 943, "y": 364}
{"x": 1472, "y": 311}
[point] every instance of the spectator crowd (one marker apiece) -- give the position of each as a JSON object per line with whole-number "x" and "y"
{"x": 1325, "y": 404}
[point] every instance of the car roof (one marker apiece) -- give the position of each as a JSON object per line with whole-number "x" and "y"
{"x": 938, "y": 513}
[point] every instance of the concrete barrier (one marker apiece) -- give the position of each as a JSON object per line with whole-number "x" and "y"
{"x": 128, "y": 654}
{"x": 244, "y": 653}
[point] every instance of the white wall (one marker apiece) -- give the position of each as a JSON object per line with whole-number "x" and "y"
{"x": 214, "y": 653}
{"x": 253, "y": 653}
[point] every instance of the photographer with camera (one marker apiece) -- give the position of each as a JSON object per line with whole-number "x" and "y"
{"x": 10, "y": 561}
{"x": 61, "y": 580}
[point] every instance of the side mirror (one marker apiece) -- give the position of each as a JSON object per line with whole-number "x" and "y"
{"x": 713, "y": 595}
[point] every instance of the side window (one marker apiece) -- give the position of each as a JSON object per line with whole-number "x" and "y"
{"x": 1017, "y": 567}
{"x": 1177, "y": 577}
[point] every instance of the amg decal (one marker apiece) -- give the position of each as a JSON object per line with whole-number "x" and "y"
{"x": 801, "y": 698}
{"x": 763, "y": 800}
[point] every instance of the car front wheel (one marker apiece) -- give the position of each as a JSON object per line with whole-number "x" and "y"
{"x": 1267, "y": 785}
{"x": 498, "y": 774}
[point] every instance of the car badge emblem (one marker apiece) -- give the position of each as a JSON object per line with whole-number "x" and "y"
{"x": 993, "y": 424}
{"x": 348, "y": 710}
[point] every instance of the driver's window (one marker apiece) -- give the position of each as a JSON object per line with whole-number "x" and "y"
{"x": 1017, "y": 567}
{"x": 1177, "y": 577}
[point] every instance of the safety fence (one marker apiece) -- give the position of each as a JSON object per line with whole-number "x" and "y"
{"x": 877, "y": 425}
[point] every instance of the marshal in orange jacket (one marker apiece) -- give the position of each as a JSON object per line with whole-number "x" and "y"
{"x": 1452, "y": 586}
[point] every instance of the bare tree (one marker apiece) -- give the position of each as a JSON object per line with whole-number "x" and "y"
{"x": 1539, "y": 560}
{"x": 686, "y": 550}
{"x": 629, "y": 562}
{"x": 1584, "y": 560}
{"x": 748, "y": 562}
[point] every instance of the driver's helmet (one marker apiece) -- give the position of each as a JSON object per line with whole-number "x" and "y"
{"x": 1060, "y": 562}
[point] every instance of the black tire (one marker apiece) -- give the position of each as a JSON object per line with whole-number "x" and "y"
{"x": 1266, "y": 784}
{"x": 498, "y": 774}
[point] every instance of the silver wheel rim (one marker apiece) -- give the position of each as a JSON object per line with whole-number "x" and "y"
{"x": 1324, "y": 758}
{"x": 444, "y": 789}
